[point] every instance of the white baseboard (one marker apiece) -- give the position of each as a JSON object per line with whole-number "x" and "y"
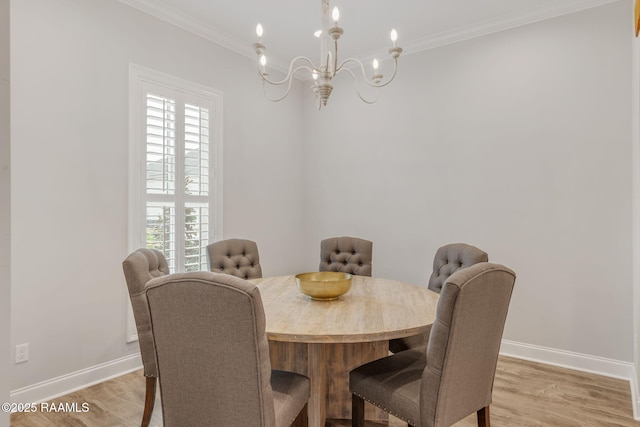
{"x": 567, "y": 359}
{"x": 578, "y": 361}
{"x": 65, "y": 384}
{"x": 635, "y": 395}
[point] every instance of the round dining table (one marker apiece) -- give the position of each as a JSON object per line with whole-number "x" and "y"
{"x": 326, "y": 339}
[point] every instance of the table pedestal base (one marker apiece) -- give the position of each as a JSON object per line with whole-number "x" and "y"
{"x": 328, "y": 366}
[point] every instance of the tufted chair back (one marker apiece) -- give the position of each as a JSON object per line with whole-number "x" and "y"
{"x": 451, "y": 258}
{"x": 462, "y": 351}
{"x": 213, "y": 354}
{"x": 452, "y": 377}
{"x": 448, "y": 259}
{"x": 140, "y": 267}
{"x": 237, "y": 257}
{"x": 346, "y": 255}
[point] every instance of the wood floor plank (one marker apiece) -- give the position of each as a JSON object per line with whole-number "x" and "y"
{"x": 526, "y": 394}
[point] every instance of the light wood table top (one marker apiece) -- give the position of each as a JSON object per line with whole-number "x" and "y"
{"x": 374, "y": 309}
{"x": 326, "y": 339}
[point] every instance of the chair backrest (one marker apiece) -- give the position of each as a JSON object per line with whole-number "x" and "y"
{"x": 140, "y": 267}
{"x": 238, "y": 257}
{"x": 212, "y": 350}
{"x": 464, "y": 342}
{"x": 451, "y": 258}
{"x": 347, "y": 255}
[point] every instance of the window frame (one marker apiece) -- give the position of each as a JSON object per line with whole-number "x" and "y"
{"x": 139, "y": 78}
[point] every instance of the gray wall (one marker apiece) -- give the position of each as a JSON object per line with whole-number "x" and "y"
{"x": 5, "y": 220}
{"x": 70, "y": 62}
{"x": 517, "y": 142}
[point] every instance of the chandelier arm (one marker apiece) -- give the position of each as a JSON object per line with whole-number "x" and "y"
{"x": 290, "y": 80}
{"x": 291, "y": 72}
{"x": 335, "y": 59}
{"x": 355, "y": 80}
{"x": 364, "y": 75}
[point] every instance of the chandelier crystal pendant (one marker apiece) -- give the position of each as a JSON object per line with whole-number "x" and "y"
{"x": 329, "y": 67}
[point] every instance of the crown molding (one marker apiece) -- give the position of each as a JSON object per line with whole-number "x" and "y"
{"x": 501, "y": 23}
{"x": 188, "y": 23}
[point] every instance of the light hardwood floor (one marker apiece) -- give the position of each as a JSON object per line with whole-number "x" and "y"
{"x": 525, "y": 394}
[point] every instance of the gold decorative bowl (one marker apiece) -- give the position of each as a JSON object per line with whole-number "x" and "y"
{"x": 324, "y": 285}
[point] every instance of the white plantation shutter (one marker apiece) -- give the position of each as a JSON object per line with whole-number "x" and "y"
{"x": 176, "y": 148}
{"x": 160, "y": 144}
{"x": 196, "y": 147}
{"x": 161, "y": 230}
{"x": 196, "y": 167}
{"x": 196, "y": 228}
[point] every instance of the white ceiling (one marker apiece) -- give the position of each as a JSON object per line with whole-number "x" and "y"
{"x": 289, "y": 24}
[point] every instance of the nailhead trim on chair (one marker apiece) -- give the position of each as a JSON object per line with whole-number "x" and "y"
{"x": 386, "y": 410}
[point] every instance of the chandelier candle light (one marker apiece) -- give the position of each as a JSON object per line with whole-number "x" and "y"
{"x": 323, "y": 74}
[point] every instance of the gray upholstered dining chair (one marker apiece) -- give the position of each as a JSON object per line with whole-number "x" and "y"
{"x": 451, "y": 258}
{"x": 347, "y": 255}
{"x": 454, "y": 376}
{"x": 213, "y": 355}
{"x": 447, "y": 260}
{"x": 140, "y": 267}
{"x": 238, "y": 257}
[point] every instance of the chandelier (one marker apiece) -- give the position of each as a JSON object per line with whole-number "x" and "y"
{"x": 329, "y": 66}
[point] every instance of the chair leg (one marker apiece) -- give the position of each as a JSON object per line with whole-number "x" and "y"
{"x": 483, "y": 417}
{"x": 149, "y": 400}
{"x": 357, "y": 411}
{"x": 302, "y": 420}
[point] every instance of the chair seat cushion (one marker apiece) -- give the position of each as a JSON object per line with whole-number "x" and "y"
{"x": 392, "y": 382}
{"x": 290, "y": 393}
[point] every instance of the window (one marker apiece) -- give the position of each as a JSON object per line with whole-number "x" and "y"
{"x": 175, "y": 168}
